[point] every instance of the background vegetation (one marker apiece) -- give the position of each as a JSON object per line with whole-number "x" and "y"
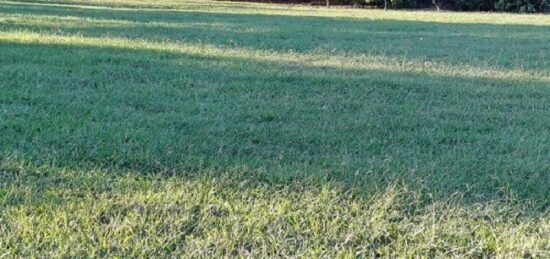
{"x": 207, "y": 128}
{"x": 520, "y": 6}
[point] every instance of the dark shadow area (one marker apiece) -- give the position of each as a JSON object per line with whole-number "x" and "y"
{"x": 154, "y": 111}
{"x": 472, "y": 44}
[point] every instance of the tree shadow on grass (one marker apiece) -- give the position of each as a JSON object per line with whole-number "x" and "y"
{"x": 472, "y": 44}
{"x": 154, "y": 111}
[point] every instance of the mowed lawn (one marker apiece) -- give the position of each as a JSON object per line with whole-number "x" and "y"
{"x": 202, "y": 128}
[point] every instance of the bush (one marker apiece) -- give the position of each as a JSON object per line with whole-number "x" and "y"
{"x": 520, "y": 6}
{"x": 523, "y": 6}
{"x": 474, "y": 5}
{"x": 391, "y": 3}
{"x": 403, "y": 3}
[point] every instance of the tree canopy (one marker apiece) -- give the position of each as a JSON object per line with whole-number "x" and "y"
{"x": 520, "y": 6}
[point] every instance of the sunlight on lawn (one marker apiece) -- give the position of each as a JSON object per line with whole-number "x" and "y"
{"x": 213, "y": 129}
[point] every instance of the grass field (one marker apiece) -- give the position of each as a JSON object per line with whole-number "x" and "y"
{"x": 200, "y": 128}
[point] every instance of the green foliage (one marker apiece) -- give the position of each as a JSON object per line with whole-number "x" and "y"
{"x": 520, "y": 6}
{"x": 392, "y": 3}
{"x": 474, "y": 5}
{"x": 523, "y": 6}
{"x": 403, "y": 3}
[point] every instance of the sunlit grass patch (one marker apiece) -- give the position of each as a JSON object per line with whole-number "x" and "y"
{"x": 64, "y": 212}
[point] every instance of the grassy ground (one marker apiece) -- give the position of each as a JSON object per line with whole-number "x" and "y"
{"x": 198, "y": 128}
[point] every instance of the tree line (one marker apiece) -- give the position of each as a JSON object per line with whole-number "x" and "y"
{"x": 519, "y": 6}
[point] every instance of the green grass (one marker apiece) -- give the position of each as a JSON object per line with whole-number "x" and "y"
{"x": 200, "y": 128}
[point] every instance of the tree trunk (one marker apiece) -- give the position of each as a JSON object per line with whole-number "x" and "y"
{"x": 328, "y": 3}
{"x": 437, "y": 4}
{"x": 385, "y": 5}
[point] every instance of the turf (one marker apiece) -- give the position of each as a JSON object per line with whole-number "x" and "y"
{"x": 205, "y": 128}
